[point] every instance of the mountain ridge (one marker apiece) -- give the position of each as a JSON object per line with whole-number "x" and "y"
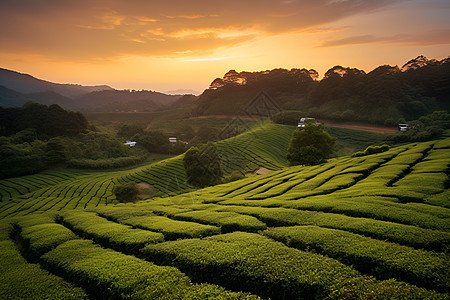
{"x": 25, "y": 83}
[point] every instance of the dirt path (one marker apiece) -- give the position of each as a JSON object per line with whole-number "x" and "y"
{"x": 364, "y": 127}
{"x": 355, "y": 126}
{"x": 248, "y": 118}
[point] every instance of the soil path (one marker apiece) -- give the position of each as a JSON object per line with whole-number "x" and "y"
{"x": 355, "y": 126}
{"x": 364, "y": 127}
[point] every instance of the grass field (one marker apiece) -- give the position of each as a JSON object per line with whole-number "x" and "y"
{"x": 370, "y": 227}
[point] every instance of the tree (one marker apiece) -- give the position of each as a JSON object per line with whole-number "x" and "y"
{"x": 55, "y": 152}
{"x": 310, "y": 146}
{"x": 203, "y": 165}
{"x": 127, "y": 131}
{"x": 155, "y": 141}
{"x": 127, "y": 192}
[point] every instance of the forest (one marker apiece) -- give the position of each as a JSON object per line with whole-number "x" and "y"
{"x": 386, "y": 95}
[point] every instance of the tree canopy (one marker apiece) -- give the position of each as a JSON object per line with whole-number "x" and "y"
{"x": 46, "y": 120}
{"x": 203, "y": 165}
{"x": 310, "y": 145}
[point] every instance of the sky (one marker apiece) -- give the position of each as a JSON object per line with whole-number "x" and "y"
{"x": 166, "y": 45}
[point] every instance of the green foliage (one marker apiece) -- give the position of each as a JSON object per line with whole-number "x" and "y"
{"x": 128, "y": 130}
{"x": 108, "y": 273}
{"x": 154, "y": 141}
{"x": 172, "y": 229}
{"x": 375, "y": 257}
{"x": 386, "y": 94}
{"x": 21, "y": 280}
{"x": 426, "y": 128}
{"x": 228, "y": 221}
{"x": 126, "y": 192}
{"x": 399, "y": 233}
{"x": 108, "y": 163}
{"x": 203, "y": 165}
{"x": 41, "y": 238}
{"x": 310, "y": 146}
{"x": 287, "y": 117}
{"x": 46, "y": 120}
{"x": 21, "y": 159}
{"x": 55, "y": 152}
{"x": 371, "y": 150}
{"x": 252, "y": 262}
{"x": 111, "y": 234}
{"x": 383, "y": 215}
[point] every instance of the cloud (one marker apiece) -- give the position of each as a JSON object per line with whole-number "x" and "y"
{"x": 208, "y": 59}
{"x": 428, "y": 38}
{"x": 82, "y": 29}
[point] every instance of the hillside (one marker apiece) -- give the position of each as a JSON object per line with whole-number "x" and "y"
{"x": 25, "y": 83}
{"x": 375, "y": 227}
{"x": 125, "y": 100}
{"x": 17, "y": 89}
{"x": 385, "y": 95}
{"x": 10, "y": 98}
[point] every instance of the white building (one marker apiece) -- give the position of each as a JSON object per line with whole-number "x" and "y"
{"x": 130, "y": 143}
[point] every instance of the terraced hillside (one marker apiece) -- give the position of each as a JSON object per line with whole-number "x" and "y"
{"x": 264, "y": 146}
{"x": 371, "y": 227}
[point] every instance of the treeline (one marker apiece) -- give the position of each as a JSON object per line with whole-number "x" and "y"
{"x": 386, "y": 95}
{"x": 45, "y": 120}
{"x": 23, "y": 153}
{"x": 36, "y": 137}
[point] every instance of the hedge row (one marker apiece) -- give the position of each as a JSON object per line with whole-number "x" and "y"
{"x": 22, "y": 280}
{"x": 109, "y": 274}
{"x": 228, "y": 221}
{"x": 251, "y": 262}
{"x": 108, "y": 233}
{"x": 172, "y": 229}
{"x": 382, "y": 259}
{"x": 403, "y": 234}
{"x": 107, "y": 163}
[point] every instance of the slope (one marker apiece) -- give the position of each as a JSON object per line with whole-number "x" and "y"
{"x": 372, "y": 227}
{"x": 263, "y": 146}
{"x": 25, "y": 83}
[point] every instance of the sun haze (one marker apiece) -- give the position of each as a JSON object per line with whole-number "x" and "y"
{"x": 177, "y": 44}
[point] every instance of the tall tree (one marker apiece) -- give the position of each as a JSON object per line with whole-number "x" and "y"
{"x": 310, "y": 145}
{"x": 203, "y": 165}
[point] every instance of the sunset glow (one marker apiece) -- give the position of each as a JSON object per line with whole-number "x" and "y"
{"x": 175, "y": 44}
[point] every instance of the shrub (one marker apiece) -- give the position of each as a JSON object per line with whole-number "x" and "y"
{"x": 203, "y": 165}
{"x": 228, "y": 221}
{"x": 108, "y": 233}
{"x": 371, "y": 150}
{"x": 288, "y": 117}
{"x": 379, "y": 258}
{"x": 106, "y": 163}
{"x": 310, "y": 146}
{"x": 248, "y": 261}
{"x": 126, "y": 192}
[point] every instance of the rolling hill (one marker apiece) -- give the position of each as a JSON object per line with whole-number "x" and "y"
{"x": 370, "y": 227}
{"x": 385, "y": 95}
{"x": 125, "y": 100}
{"x": 26, "y": 84}
{"x": 17, "y": 89}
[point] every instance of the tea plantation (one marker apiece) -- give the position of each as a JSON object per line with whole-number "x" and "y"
{"x": 369, "y": 227}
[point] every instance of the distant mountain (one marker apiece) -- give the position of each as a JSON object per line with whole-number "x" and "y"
{"x": 183, "y": 92}
{"x": 386, "y": 95}
{"x": 10, "y": 98}
{"x": 125, "y": 100}
{"x": 17, "y": 89}
{"x": 185, "y": 101}
{"x": 25, "y": 83}
{"x": 49, "y": 98}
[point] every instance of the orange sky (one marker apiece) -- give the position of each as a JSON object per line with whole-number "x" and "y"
{"x": 185, "y": 44}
